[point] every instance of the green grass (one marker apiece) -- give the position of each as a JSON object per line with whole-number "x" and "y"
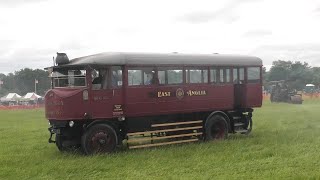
{"x": 284, "y": 144}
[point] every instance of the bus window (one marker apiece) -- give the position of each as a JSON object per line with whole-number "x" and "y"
{"x": 116, "y": 78}
{"x": 170, "y": 76}
{"x": 99, "y": 79}
{"x": 196, "y": 76}
{"x": 227, "y": 75}
{"x": 253, "y": 74}
{"x": 241, "y": 75}
{"x": 149, "y": 77}
{"x": 162, "y": 77}
{"x": 213, "y": 75}
{"x": 134, "y": 77}
{"x": 221, "y": 76}
{"x": 175, "y": 76}
{"x": 205, "y": 76}
{"x": 235, "y": 76}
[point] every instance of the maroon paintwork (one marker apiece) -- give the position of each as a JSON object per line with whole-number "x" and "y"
{"x": 133, "y": 101}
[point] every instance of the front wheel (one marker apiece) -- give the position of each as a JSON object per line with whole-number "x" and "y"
{"x": 65, "y": 143}
{"x": 216, "y": 128}
{"x": 100, "y": 138}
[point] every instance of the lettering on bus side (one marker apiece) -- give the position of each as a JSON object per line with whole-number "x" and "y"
{"x": 164, "y": 94}
{"x": 197, "y": 93}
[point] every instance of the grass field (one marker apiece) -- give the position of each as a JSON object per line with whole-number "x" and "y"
{"x": 284, "y": 144}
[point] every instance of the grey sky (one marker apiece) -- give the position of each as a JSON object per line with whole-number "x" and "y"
{"x": 31, "y": 32}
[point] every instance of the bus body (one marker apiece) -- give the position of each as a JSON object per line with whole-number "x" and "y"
{"x": 98, "y": 101}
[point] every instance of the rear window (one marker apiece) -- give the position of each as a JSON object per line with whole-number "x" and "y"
{"x": 253, "y": 74}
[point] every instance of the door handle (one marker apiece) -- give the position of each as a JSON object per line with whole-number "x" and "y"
{"x": 113, "y": 92}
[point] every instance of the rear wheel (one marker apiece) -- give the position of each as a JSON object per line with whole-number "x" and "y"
{"x": 216, "y": 128}
{"x": 100, "y": 138}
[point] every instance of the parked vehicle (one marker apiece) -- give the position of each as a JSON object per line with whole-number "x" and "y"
{"x": 98, "y": 102}
{"x": 281, "y": 92}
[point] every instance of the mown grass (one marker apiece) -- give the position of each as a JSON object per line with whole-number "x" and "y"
{"x": 284, "y": 144}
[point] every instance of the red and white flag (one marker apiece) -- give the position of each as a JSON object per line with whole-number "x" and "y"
{"x": 36, "y": 81}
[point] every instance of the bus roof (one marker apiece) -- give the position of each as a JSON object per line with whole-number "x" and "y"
{"x": 122, "y": 58}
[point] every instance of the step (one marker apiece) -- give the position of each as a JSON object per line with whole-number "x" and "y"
{"x": 176, "y": 123}
{"x": 241, "y": 131}
{"x": 162, "y": 137}
{"x": 236, "y": 117}
{"x": 164, "y": 130}
{"x": 238, "y": 124}
{"x": 161, "y": 144}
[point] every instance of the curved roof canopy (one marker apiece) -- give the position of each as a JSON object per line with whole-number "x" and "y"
{"x": 117, "y": 58}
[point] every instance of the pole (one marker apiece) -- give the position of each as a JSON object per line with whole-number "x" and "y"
{"x": 35, "y": 86}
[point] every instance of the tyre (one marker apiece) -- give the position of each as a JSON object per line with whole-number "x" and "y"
{"x": 100, "y": 138}
{"x": 65, "y": 144}
{"x": 59, "y": 141}
{"x": 216, "y": 128}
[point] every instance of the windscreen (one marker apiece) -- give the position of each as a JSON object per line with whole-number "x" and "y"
{"x": 68, "y": 78}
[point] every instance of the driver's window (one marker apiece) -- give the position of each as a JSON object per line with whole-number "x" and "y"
{"x": 105, "y": 78}
{"x": 99, "y": 78}
{"x": 116, "y": 78}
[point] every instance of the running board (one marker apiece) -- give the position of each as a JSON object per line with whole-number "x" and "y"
{"x": 161, "y": 144}
{"x": 166, "y": 134}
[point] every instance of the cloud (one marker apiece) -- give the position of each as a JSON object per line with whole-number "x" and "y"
{"x": 14, "y": 3}
{"x": 309, "y": 53}
{"x": 257, "y": 33}
{"x": 226, "y": 13}
{"x": 317, "y": 10}
{"x": 20, "y": 58}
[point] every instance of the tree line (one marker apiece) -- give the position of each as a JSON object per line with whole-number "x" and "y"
{"x": 23, "y": 81}
{"x": 297, "y": 74}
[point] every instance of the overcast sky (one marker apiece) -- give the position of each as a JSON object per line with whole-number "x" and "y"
{"x": 32, "y": 31}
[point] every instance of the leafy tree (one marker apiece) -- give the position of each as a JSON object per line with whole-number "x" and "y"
{"x": 297, "y": 74}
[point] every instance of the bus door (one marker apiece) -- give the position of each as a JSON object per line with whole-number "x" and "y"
{"x": 141, "y": 90}
{"x": 239, "y": 87}
{"x": 253, "y": 87}
{"x": 107, "y": 92}
{"x": 248, "y": 90}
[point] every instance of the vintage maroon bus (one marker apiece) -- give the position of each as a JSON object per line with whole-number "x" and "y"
{"x": 102, "y": 101}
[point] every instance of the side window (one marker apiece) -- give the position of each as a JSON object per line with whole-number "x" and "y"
{"x": 196, "y": 76}
{"x": 175, "y": 76}
{"x": 162, "y": 76}
{"x": 253, "y": 74}
{"x": 134, "y": 77}
{"x": 235, "y": 76}
{"x": 213, "y": 75}
{"x": 170, "y": 75}
{"x": 221, "y": 73}
{"x": 227, "y": 75}
{"x": 205, "y": 76}
{"x": 149, "y": 77}
{"x": 241, "y": 75}
{"x": 141, "y": 76}
{"x": 99, "y": 78}
{"x": 116, "y": 76}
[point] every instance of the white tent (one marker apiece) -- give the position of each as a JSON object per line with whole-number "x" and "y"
{"x": 310, "y": 85}
{"x": 31, "y": 96}
{"x": 11, "y": 97}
